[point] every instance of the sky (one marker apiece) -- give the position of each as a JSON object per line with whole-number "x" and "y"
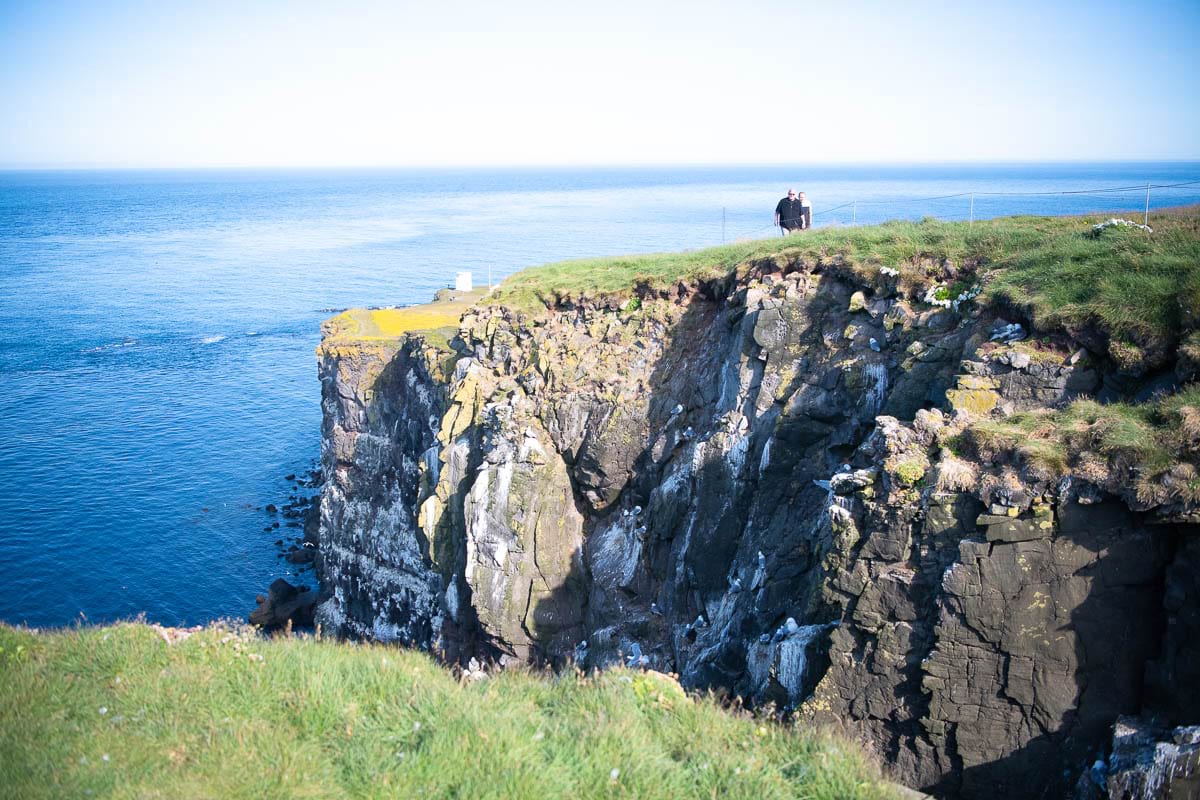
{"x": 401, "y": 83}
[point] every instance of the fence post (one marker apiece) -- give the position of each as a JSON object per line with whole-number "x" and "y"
{"x": 972, "y": 222}
{"x": 1146, "y": 219}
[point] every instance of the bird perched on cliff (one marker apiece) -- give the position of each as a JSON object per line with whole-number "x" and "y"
{"x": 760, "y": 574}
{"x": 874, "y": 343}
{"x": 654, "y": 609}
{"x": 735, "y": 584}
{"x": 786, "y": 629}
{"x": 677, "y": 410}
{"x": 1012, "y": 332}
{"x": 581, "y": 652}
{"x": 700, "y": 622}
{"x": 635, "y": 658}
{"x": 641, "y": 532}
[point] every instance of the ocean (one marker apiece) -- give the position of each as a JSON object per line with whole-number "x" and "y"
{"x": 159, "y": 327}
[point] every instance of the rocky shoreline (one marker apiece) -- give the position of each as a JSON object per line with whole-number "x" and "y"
{"x": 298, "y": 520}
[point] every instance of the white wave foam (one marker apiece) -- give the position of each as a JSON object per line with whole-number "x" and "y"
{"x": 129, "y": 342}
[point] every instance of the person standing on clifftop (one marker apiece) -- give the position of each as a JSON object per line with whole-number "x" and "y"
{"x": 805, "y": 212}
{"x": 788, "y": 214}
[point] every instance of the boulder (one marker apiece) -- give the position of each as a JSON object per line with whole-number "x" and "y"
{"x": 284, "y": 602}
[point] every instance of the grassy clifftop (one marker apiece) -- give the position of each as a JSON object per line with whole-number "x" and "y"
{"x": 1135, "y": 293}
{"x": 1133, "y": 286}
{"x": 122, "y": 712}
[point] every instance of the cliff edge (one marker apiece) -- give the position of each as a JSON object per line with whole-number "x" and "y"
{"x": 934, "y": 483}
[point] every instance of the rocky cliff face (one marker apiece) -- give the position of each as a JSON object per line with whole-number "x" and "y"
{"x": 381, "y": 409}
{"x": 752, "y": 482}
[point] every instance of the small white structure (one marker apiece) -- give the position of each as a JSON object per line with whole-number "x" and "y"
{"x": 462, "y": 282}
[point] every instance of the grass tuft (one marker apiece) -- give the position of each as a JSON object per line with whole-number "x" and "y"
{"x": 1155, "y": 445}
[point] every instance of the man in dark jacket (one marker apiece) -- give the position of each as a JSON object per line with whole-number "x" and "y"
{"x": 789, "y": 214}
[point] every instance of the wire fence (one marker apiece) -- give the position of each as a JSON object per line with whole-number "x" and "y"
{"x": 968, "y": 206}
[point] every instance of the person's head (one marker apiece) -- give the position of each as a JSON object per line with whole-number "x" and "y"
{"x": 802, "y": 197}
{"x": 791, "y": 193}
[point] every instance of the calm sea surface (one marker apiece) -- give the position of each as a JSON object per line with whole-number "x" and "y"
{"x": 158, "y": 331}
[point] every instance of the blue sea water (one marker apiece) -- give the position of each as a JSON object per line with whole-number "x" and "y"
{"x": 158, "y": 331}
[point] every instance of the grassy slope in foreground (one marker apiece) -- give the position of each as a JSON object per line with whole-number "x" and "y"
{"x": 118, "y": 711}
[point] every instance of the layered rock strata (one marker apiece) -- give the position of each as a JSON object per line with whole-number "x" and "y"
{"x": 752, "y": 480}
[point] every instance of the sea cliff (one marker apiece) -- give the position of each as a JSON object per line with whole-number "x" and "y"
{"x": 882, "y": 478}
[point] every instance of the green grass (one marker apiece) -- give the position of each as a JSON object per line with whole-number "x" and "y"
{"x": 1152, "y": 448}
{"x": 1132, "y": 285}
{"x": 118, "y": 712}
{"x": 599, "y": 277}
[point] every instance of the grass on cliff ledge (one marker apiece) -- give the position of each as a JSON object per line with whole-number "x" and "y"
{"x": 1131, "y": 284}
{"x": 118, "y": 712}
{"x": 1152, "y": 448}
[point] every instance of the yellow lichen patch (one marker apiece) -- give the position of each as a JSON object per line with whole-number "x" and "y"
{"x": 975, "y": 401}
{"x": 395, "y": 321}
{"x": 362, "y": 324}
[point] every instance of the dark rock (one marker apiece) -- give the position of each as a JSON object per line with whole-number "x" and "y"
{"x": 284, "y": 602}
{"x": 302, "y": 556}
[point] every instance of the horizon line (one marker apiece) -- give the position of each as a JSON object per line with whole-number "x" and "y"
{"x": 77, "y": 167}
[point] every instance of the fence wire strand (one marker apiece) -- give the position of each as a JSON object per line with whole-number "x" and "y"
{"x": 1107, "y": 192}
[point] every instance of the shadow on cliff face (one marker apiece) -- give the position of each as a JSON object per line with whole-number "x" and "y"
{"x": 376, "y": 578}
{"x": 743, "y": 415}
{"x": 1063, "y": 689}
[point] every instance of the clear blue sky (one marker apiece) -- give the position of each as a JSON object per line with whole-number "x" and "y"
{"x": 614, "y": 82}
